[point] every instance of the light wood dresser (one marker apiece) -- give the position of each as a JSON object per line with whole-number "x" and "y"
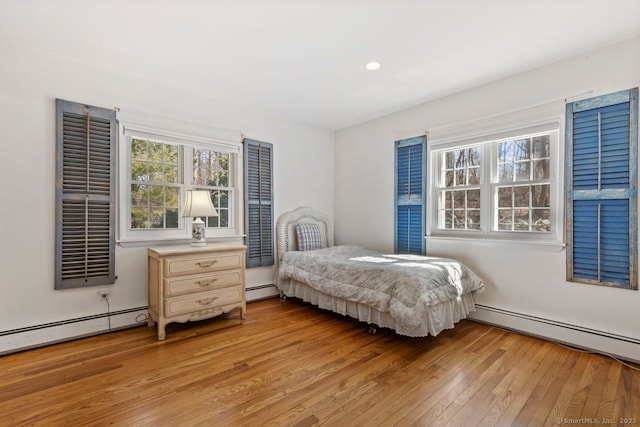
{"x": 195, "y": 282}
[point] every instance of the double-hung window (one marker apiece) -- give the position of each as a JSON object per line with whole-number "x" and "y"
{"x": 498, "y": 187}
{"x": 159, "y": 167}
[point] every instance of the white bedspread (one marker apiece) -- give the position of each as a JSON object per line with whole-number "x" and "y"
{"x": 405, "y": 286}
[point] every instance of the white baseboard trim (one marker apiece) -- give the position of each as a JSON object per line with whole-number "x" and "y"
{"x": 256, "y": 293}
{"x": 15, "y": 340}
{"x": 21, "y": 339}
{"x": 623, "y": 347}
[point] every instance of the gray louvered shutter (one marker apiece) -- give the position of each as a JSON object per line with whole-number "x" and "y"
{"x": 601, "y": 173}
{"x": 258, "y": 179}
{"x": 85, "y": 195}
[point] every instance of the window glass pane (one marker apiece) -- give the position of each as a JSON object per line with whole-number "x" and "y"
{"x": 156, "y": 195}
{"x": 521, "y": 196}
{"x": 155, "y": 172}
{"x": 223, "y": 197}
{"x": 156, "y": 218}
{"x": 171, "y": 173}
{"x": 473, "y": 219}
{"x": 458, "y": 199}
{"x": 505, "y": 172}
{"x": 449, "y": 159}
{"x": 474, "y": 156}
{"x": 541, "y": 169}
{"x": 540, "y": 195}
{"x": 541, "y": 147}
{"x": 541, "y": 220}
{"x": 448, "y": 179}
{"x": 139, "y": 195}
{"x": 139, "y": 149}
{"x": 473, "y": 199}
{"x": 448, "y": 218}
{"x": 224, "y": 217}
{"x": 505, "y": 198}
{"x": 461, "y": 177}
{"x": 447, "y": 197}
{"x": 139, "y": 171}
{"x": 172, "y": 218}
{"x": 459, "y": 219}
{"x": 474, "y": 175}
{"x": 521, "y": 219}
{"x": 505, "y": 219}
{"x": 505, "y": 152}
{"x": 522, "y": 149}
{"x": 522, "y": 171}
{"x": 139, "y": 217}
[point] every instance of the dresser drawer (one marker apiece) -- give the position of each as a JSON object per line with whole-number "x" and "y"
{"x": 203, "y": 300}
{"x": 202, "y": 282}
{"x": 193, "y": 264}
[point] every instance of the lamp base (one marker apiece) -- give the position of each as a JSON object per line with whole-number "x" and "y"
{"x": 197, "y": 233}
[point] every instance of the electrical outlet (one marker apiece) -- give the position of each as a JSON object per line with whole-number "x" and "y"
{"x": 104, "y": 293}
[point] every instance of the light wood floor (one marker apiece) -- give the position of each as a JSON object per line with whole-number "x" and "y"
{"x": 289, "y": 364}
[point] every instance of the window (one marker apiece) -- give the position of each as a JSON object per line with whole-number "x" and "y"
{"x": 523, "y": 185}
{"x": 601, "y": 156}
{"x": 497, "y": 187}
{"x": 160, "y": 167}
{"x": 85, "y": 195}
{"x": 155, "y": 185}
{"x": 258, "y": 164}
{"x": 460, "y": 198}
{"x": 410, "y": 195}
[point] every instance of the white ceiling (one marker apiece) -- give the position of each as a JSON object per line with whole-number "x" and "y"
{"x": 303, "y": 60}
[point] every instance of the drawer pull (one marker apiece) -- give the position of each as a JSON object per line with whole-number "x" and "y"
{"x": 205, "y": 264}
{"x": 206, "y": 282}
{"x": 206, "y": 301}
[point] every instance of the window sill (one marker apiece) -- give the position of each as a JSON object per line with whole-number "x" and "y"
{"x": 488, "y": 241}
{"x": 135, "y": 243}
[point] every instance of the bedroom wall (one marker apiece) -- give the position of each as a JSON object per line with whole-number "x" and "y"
{"x": 526, "y": 287}
{"x": 30, "y": 81}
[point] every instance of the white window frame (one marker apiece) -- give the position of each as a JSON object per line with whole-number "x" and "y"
{"x": 488, "y": 183}
{"x": 228, "y": 143}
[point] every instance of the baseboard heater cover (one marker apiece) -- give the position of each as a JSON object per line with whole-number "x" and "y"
{"x": 260, "y": 292}
{"x": 20, "y": 339}
{"x": 624, "y": 347}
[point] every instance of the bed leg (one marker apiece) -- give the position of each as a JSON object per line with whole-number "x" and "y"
{"x": 373, "y": 329}
{"x": 283, "y": 297}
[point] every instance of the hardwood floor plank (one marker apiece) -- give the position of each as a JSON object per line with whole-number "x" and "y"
{"x": 289, "y": 364}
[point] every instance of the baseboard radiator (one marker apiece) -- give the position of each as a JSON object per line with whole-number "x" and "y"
{"x": 21, "y": 339}
{"x": 597, "y": 341}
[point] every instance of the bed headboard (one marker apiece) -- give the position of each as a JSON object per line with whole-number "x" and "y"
{"x": 286, "y": 228}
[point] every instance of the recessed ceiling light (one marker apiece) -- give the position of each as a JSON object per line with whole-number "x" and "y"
{"x": 372, "y": 66}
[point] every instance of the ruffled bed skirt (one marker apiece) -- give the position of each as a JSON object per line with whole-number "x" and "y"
{"x": 439, "y": 317}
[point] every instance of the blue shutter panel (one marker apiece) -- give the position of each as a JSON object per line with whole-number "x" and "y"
{"x": 258, "y": 179}
{"x": 410, "y": 196}
{"x": 601, "y": 180}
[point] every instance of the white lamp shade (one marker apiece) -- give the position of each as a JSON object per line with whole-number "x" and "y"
{"x": 198, "y": 204}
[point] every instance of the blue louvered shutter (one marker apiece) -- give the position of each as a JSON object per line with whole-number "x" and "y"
{"x": 601, "y": 181}
{"x": 410, "y": 195}
{"x": 258, "y": 180}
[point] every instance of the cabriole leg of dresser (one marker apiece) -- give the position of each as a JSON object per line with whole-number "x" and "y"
{"x": 161, "y": 329}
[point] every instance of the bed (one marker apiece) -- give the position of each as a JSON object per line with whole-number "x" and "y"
{"x": 413, "y": 295}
